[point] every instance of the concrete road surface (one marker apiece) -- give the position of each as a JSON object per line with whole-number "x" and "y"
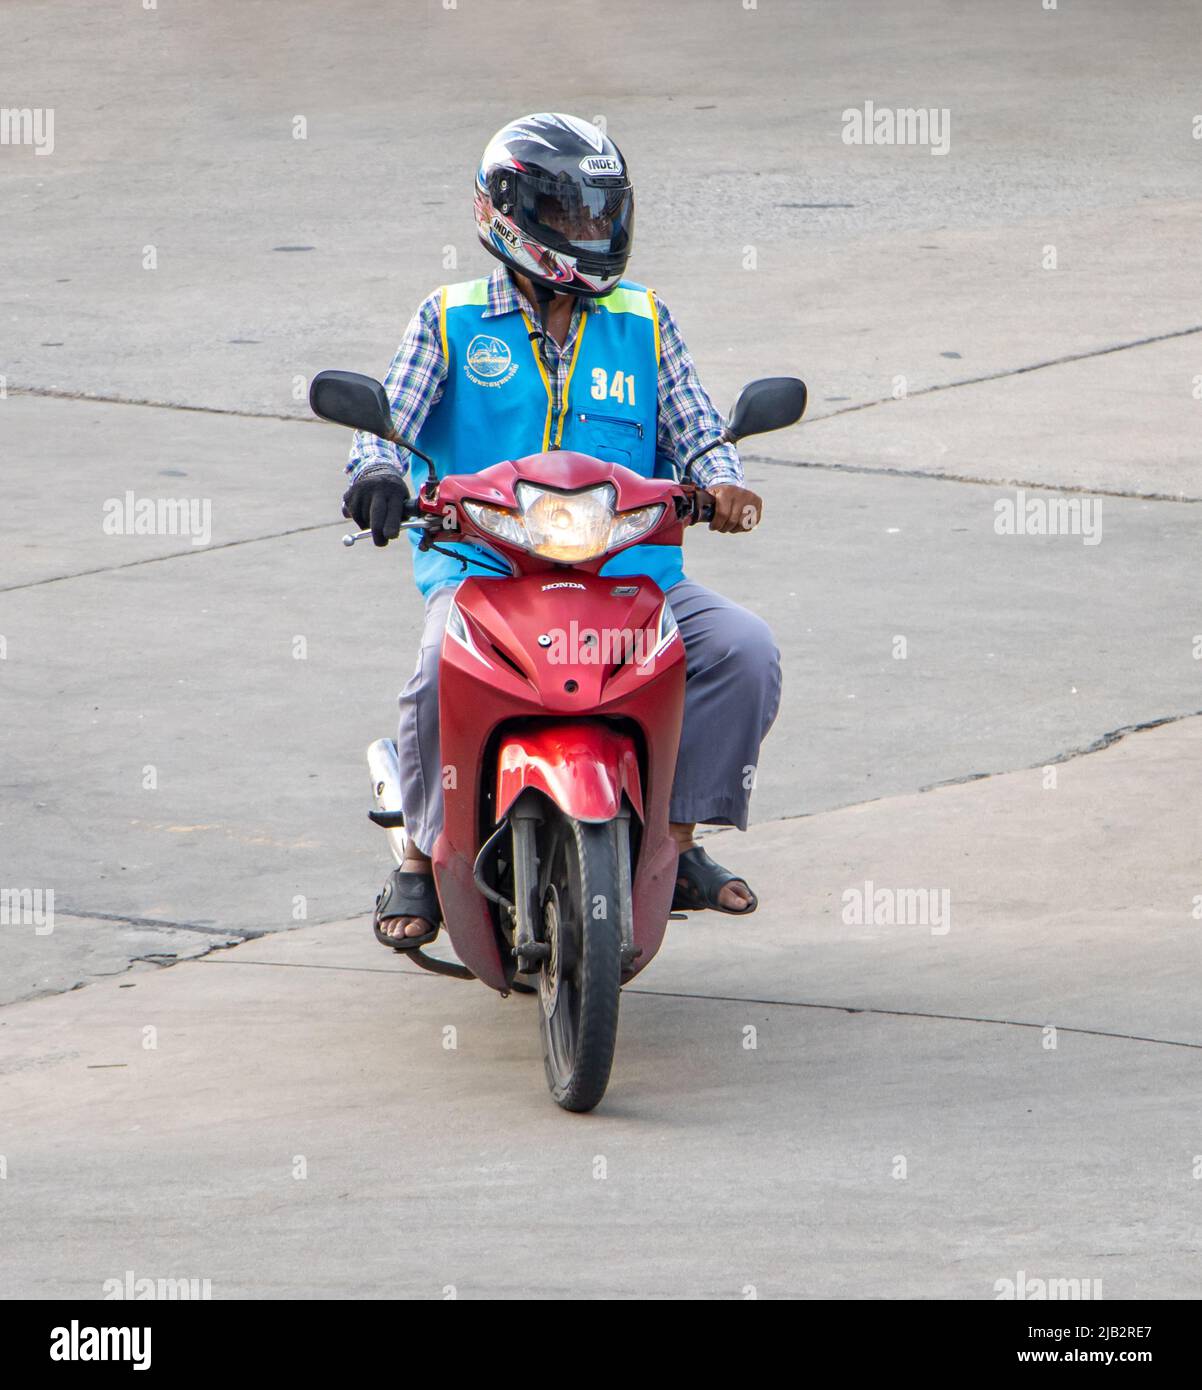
{"x": 997, "y": 726}
{"x": 799, "y": 1107}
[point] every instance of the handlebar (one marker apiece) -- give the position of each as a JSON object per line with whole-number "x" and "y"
{"x": 411, "y": 511}
{"x": 702, "y": 510}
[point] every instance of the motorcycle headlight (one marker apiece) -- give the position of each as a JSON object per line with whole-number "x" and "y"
{"x": 505, "y": 525}
{"x": 628, "y": 526}
{"x": 565, "y": 526}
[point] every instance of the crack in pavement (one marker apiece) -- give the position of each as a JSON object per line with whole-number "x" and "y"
{"x": 917, "y": 1013}
{"x": 54, "y": 393}
{"x": 242, "y": 933}
{"x": 57, "y": 393}
{"x": 237, "y": 935}
{"x": 940, "y": 476}
{"x": 174, "y": 555}
{"x": 864, "y": 469}
{"x": 1105, "y": 740}
{"x": 745, "y": 999}
{"x": 936, "y": 476}
{"x": 1102, "y": 742}
{"x": 1015, "y": 371}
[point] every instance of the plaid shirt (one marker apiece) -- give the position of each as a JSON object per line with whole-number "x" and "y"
{"x": 686, "y": 416}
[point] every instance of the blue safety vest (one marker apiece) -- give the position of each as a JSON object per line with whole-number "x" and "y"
{"x": 496, "y": 404}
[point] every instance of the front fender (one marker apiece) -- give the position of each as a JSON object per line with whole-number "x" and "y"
{"x": 585, "y": 768}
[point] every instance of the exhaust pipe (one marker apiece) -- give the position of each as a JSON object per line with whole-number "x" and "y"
{"x": 385, "y": 771}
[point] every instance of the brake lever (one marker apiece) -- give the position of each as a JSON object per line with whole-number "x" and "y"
{"x": 350, "y": 538}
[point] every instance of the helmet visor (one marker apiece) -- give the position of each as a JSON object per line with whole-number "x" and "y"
{"x": 595, "y": 223}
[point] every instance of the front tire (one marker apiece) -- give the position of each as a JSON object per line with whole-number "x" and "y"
{"x": 579, "y": 986}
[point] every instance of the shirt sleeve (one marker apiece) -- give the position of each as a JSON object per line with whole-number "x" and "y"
{"x": 687, "y": 417}
{"x": 414, "y": 384}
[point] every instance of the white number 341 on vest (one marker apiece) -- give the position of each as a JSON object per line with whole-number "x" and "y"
{"x": 621, "y": 389}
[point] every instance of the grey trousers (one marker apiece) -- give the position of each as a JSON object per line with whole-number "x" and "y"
{"x": 732, "y": 694}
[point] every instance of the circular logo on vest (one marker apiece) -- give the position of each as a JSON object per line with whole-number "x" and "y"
{"x": 489, "y": 361}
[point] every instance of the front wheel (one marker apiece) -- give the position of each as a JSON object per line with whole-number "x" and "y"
{"x": 582, "y": 909}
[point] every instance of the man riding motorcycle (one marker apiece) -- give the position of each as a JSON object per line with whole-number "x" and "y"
{"x": 554, "y": 350}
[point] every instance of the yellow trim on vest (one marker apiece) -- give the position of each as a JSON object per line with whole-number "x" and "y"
{"x": 567, "y": 385}
{"x": 442, "y": 322}
{"x": 542, "y": 371}
{"x": 655, "y": 322}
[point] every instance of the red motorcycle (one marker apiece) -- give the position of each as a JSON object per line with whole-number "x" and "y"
{"x": 561, "y": 695}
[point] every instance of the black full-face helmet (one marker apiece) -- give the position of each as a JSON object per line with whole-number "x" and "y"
{"x": 553, "y": 202}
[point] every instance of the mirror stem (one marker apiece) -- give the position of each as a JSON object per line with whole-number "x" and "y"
{"x": 724, "y": 438}
{"x": 432, "y": 477}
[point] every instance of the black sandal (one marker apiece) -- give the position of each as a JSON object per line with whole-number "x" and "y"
{"x": 704, "y": 880}
{"x": 407, "y": 894}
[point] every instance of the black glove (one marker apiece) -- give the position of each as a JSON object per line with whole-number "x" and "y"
{"x": 377, "y": 501}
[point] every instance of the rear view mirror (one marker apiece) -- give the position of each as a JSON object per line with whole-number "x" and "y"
{"x": 771, "y": 403}
{"x": 349, "y": 398}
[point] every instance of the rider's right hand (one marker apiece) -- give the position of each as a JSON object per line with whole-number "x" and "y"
{"x": 377, "y": 501}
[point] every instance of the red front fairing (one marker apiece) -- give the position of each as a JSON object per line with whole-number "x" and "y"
{"x": 510, "y": 719}
{"x": 560, "y": 471}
